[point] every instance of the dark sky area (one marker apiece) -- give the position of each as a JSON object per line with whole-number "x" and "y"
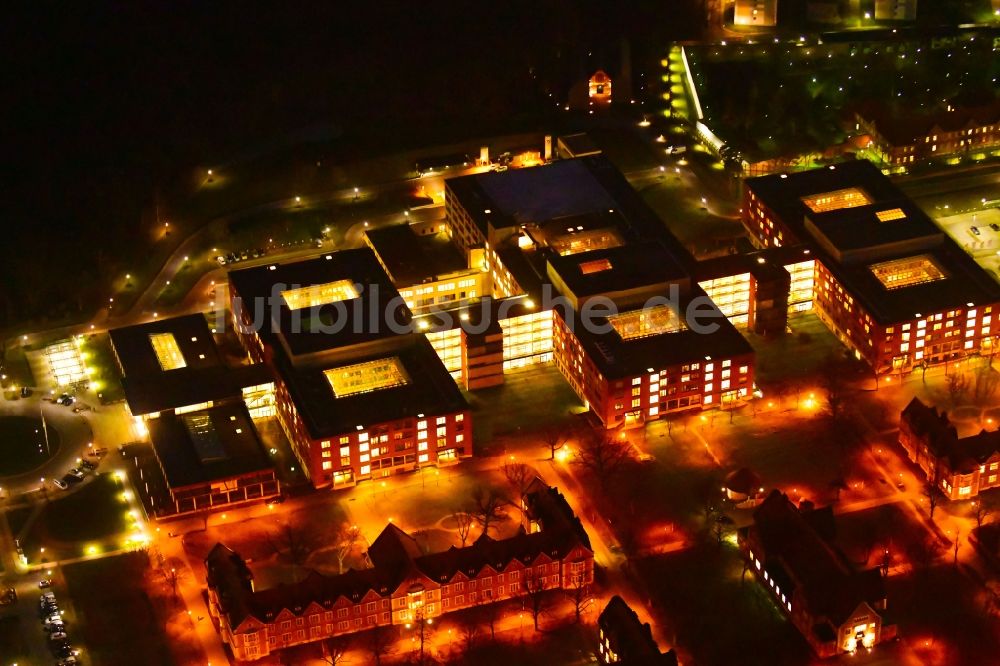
{"x": 106, "y": 101}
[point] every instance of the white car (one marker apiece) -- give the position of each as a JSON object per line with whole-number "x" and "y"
{"x": 60, "y": 484}
{"x": 57, "y": 636}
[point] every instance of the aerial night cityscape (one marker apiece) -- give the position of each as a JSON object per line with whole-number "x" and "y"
{"x": 539, "y": 332}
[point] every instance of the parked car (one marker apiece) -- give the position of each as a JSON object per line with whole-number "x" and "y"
{"x": 87, "y": 465}
{"x": 54, "y": 617}
{"x": 44, "y": 583}
{"x": 221, "y": 260}
{"x": 47, "y": 595}
{"x": 25, "y": 392}
{"x": 68, "y": 661}
{"x": 994, "y": 226}
{"x": 76, "y": 472}
{"x": 70, "y": 478}
{"x": 57, "y": 636}
{"x": 974, "y": 230}
{"x": 98, "y": 452}
{"x": 55, "y": 626}
{"x": 9, "y": 597}
{"x": 66, "y": 651}
{"x": 60, "y": 484}
{"x": 277, "y": 499}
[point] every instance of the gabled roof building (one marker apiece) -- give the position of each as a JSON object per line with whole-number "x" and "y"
{"x": 626, "y": 640}
{"x": 403, "y": 584}
{"x": 961, "y": 467}
{"x": 791, "y": 551}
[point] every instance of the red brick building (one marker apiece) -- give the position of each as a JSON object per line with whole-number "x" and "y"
{"x": 888, "y": 281}
{"x": 359, "y": 393}
{"x": 403, "y": 585}
{"x": 962, "y": 467}
{"x": 791, "y": 552}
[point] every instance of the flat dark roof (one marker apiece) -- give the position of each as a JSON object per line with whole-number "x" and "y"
{"x": 149, "y": 388}
{"x": 350, "y": 322}
{"x": 412, "y": 258}
{"x": 430, "y": 389}
{"x": 135, "y": 351}
{"x": 617, "y": 358}
{"x": 849, "y": 240}
{"x": 212, "y": 444}
{"x": 618, "y": 269}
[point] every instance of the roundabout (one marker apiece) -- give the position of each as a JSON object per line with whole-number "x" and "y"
{"x": 25, "y": 444}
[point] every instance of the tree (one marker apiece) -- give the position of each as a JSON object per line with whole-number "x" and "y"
{"x": 533, "y": 593}
{"x": 463, "y": 523}
{"x": 424, "y": 631}
{"x": 985, "y": 385}
{"x": 579, "y": 595}
{"x": 958, "y": 386}
{"x": 295, "y": 543}
{"x": 173, "y": 572}
{"x": 923, "y": 553}
{"x": 379, "y": 641}
{"x": 334, "y": 650}
{"x": 933, "y": 495}
{"x": 604, "y": 456}
{"x": 346, "y": 538}
{"x": 555, "y": 437}
{"x": 469, "y": 629}
{"x": 722, "y": 527}
{"x": 981, "y": 511}
{"x": 488, "y": 507}
{"x": 519, "y": 476}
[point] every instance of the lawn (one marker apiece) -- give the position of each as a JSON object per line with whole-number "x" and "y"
{"x": 69, "y": 523}
{"x": 23, "y": 446}
{"x": 529, "y": 398}
{"x": 12, "y": 647}
{"x": 98, "y": 355}
{"x": 719, "y": 620}
{"x": 125, "y": 618}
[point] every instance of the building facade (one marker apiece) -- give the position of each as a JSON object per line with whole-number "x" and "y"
{"x": 403, "y": 586}
{"x": 790, "y": 550}
{"x": 961, "y": 467}
{"x": 624, "y": 639}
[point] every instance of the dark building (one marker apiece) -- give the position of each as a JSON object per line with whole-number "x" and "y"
{"x": 626, "y": 640}
{"x": 791, "y": 551}
{"x": 961, "y": 467}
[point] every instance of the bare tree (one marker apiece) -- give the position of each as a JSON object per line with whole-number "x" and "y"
{"x": 933, "y": 495}
{"x": 923, "y": 553}
{"x": 488, "y": 507}
{"x": 490, "y": 615}
{"x": 604, "y": 456}
{"x": 533, "y": 592}
{"x": 722, "y": 527}
{"x": 469, "y": 629}
{"x": 519, "y": 476}
{"x": 379, "y": 641}
{"x": 985, "y": 385}
{"x": 293, "y": 542}
{"x": 463, "y": 523}
{"x": 958, "y": 386}
{"x": 981, "y": 512}
{"x": 347, "y": 538}
{"x": 173, "y": 571}
{"x": 579, "y": 595}
{"x": 424, "y": 631}
{"x": 555, "y": 437}
{"x": 334, "y": 650}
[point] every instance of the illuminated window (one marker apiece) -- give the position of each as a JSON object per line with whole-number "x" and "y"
{"x": 852, "y": 197}
{"x": 366, "y": 377}
{"x": 586, "y": 241}
{"x": 890, "y": 215}
{"x": 596, "y": 266}
{"x": 907, "y": 272}
{"x": 320, "y": 294}
{"x": 167, "y": 352}
{"x": 646, "y": 322}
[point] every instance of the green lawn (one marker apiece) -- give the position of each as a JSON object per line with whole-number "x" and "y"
{"x": 23, "y": 444}
{"x": 100, "y": 357}
{"x": 123, "y": 620}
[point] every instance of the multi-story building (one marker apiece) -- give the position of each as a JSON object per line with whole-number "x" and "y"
{"x": 360, "y": 393}
{"x": 198, "y": 412}
{"x": 756, "y": 13}
{"x": 625, "y": 640}
{"x": 563, "y": 241}
{"x": 403, "y": 585}
{"x": 961, "y": 466}
{"x": 791, "y": 552}
{"x": 902, "y": 138}
{"x": 887, "y": 280}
